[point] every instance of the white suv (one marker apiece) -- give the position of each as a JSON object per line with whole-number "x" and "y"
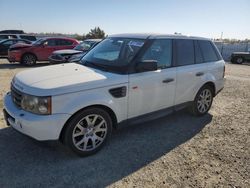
{"x": 125, "y": 79}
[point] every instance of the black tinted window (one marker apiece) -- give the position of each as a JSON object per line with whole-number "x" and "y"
{"x": 161, "y": 51}
{"x": 62, "y": 42}
{"x": 208, "y": 51}
{"x": 184, "y": 52}
{"x": 8, "y": 43}
{"x": 31, "y": 38}
{"x": 198, "y": 53}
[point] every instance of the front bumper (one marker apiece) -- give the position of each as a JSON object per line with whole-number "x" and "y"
{"x": 39, "y": 127}
{"x": 56, "y": 60}
{"x": 14, "y": 56}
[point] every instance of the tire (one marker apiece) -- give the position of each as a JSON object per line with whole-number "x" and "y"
{"x": 88, "y": 131}
{"x": 28, "y": 60}
{"x": 239, "y": 60}
{"x": 202, "y": 102}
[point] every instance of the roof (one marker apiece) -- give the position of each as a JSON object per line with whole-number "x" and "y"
{"x": 67, "y": 38}
{"x": 94, "y": 40}
{"x": 4, "y": 40}
{"x": 155, "y": 36}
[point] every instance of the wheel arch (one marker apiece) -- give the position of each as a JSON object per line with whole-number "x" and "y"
{"x": 211, "y": 85}
{"x": 26, "y": 53}
{"x": 106, "y": 108}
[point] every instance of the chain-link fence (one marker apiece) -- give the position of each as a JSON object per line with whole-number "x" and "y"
{"x": 226, "y": 49}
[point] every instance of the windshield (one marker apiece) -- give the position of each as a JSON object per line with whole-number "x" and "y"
{"x": 85, "y": 46}
{"x": 38, "y": 42}
{"x": 113, "y": 52}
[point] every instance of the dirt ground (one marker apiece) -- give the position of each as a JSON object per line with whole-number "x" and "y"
{"x": 175, "y": 151}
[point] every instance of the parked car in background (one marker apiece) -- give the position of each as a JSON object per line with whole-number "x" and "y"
{"x": 63, "y": 56}
{"x": 5, "y": 44}
{"x": 127, "y": 78}
{"x": 18, "y": 36}
{"x": 12, "y": 31}
{"x": 240, "y": 57}
{"x": 40, "y": 50}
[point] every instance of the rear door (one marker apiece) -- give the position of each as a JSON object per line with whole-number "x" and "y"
{"x": 189, "y": 74}
{"x": 64, "y": 44}
{"x": 196, "y": 63}
{"x": 4, "y": 46}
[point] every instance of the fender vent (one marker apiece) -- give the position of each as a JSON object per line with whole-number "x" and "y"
{"x": 118, "y": 92}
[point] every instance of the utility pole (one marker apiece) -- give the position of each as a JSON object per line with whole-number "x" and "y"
{"x": 221, "y": 35}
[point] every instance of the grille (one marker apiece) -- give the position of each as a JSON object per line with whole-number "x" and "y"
{"x": 16, "y": 96}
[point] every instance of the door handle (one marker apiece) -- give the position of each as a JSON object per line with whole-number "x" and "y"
{"x": 199, "y": 73}
{"x": 168, "y": 80}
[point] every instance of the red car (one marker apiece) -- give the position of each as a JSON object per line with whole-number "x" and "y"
{"x": 28, "y": 54}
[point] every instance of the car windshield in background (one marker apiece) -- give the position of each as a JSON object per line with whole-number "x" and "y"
{"x": 113, "y": 52}
{"x": 38, "y": 42}
{"x": 84, "y": 46}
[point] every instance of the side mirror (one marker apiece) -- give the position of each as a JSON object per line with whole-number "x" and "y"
{"x": 146, "y": 65}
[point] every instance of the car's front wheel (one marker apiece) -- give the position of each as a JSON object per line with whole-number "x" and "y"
{"x": 28, "y": 60}
{"x": 88, "y": 131}
{"x": 203, "y": 101}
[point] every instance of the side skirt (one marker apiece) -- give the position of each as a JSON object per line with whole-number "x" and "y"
{"x": 154, "y": 115}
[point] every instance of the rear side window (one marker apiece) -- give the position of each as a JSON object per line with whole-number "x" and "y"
{"x": 161, "y": 51}
{"x": 208, "y": 51}
{"x": 27, "y": 37}
{"x": 4, "y": 37}
{"x": 198, "y": 53}
{"x": 184, "y": 52}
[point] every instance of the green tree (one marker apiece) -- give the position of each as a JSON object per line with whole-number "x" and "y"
{"x": 96, "y": 33}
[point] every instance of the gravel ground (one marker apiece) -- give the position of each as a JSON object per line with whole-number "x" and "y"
{"x": 176, "y": 151}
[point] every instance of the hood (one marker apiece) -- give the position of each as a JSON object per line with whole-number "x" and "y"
{"x": 20, "y": 45}
{"x": 66, "y": 52}
{"x": 64, "y": 78}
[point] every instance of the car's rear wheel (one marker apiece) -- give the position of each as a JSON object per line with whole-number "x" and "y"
{"x": 203, "y": 101}
{"x": 88, "y": 131}
{"x": 239, "y": 60}
{"x": 29, "y": 60}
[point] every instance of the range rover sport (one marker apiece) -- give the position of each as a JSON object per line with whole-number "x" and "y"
{"x": 125, "y": 78}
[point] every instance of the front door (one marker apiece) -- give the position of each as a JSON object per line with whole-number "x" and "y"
{"x": 45, "y": 50}
{"x": 153, "y": 90}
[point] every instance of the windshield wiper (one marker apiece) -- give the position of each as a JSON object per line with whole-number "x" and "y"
{"x": 96, "y": 65}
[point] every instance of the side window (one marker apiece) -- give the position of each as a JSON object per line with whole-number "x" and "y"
{"x": 161, "y": 51}
{"x": 184, "y": 52}
{"x": 207, "y": 51}
{"x": 27, "y": 37}
{"x": 62, "y": 42}
{"x": 4, "y": 37}
{"x": 8, "y": 43}
{"x": 198, "y": 53}
{"x": 50, "y": 42}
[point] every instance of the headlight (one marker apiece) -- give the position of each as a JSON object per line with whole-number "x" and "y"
{"x": 76, "y": 57}
{"x": 36, "y": 105}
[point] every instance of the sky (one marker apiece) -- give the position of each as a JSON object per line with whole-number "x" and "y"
{"x": 206, "y": 18}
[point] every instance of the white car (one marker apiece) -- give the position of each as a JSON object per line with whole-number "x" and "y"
{"x": 127, "y": 78}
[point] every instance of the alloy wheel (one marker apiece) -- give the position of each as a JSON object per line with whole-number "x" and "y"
{"x": 204, "y": 101}
{"x": 89, "y": 132}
